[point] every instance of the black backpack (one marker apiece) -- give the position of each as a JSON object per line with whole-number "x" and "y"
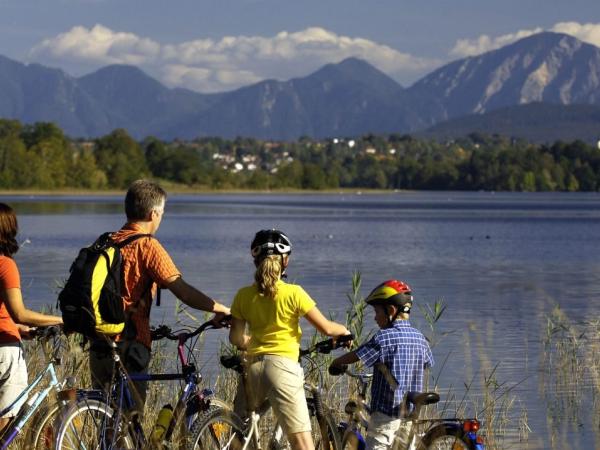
{"x": 91, "y": 301}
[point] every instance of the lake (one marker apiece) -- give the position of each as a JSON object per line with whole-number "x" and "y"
{"x": 501, "y": 262}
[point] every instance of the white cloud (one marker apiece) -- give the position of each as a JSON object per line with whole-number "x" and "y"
{"x": 98, "y": 44}
{"x": 589, "y": 33}
{"x": 211, "y": 65}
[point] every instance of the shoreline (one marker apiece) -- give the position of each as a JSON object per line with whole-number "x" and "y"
{"x": 192, "y": 191}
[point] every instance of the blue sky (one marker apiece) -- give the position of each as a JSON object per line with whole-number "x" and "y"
{"x": 218, "y": 45}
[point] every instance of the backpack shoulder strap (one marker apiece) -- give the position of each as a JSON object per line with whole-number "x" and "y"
{"x": 130, "y": 239}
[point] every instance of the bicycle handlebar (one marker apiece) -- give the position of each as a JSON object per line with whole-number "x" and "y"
{"x": 337, "y": 370}
{"x": 45, "y": 332}
{"x": 327, "y": 345}
{"x": 235, "y": 361}
{"x": 165, "y": 332}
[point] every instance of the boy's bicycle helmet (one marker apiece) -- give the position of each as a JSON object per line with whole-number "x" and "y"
{"x": 392, "y": 292}
{"x": 270, "y": 242}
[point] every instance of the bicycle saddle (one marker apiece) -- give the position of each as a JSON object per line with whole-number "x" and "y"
{"x": 422, "y": 398}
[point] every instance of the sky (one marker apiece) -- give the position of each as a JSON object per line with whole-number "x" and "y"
{"x": 220, "y": 45}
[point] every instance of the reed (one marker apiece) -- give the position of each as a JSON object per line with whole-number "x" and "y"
{"x": 495, "y": 404}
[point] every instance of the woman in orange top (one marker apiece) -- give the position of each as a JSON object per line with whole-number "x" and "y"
{"x": 15, "y": 318}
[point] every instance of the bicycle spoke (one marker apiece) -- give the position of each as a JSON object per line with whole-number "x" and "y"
{"x": 90, "y": 426}
{"x": 448, "y": 442}
{"x": 218, "y": 429}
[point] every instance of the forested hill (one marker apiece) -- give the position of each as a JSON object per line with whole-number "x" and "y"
{"x": 40, "y": 156}
{"x": 534, "y": 122}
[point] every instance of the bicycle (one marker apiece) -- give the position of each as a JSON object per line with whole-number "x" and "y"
{"x": 101, "y": 420}
{"x": 358, "y": 410}
{"x": 31, "y": 412}
{"x": 224, "y": 429}
{"x": 425, "y": 434}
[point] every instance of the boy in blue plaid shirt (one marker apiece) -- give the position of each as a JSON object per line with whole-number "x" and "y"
{"x": 399, "y": 354}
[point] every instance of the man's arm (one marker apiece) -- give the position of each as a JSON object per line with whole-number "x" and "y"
{"x": 191, "y": 296}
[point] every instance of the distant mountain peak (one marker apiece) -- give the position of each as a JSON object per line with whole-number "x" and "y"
{"x": 545, "y": 67}
{"x": 355, "y": 70}
{"x": 118, "y": 71}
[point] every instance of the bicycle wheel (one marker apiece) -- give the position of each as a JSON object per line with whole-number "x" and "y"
{"x": 445, "y": 437}
{"x": 40, "y": 430}
{"x": 217, "y": 428}
{"x": 89, "y": 424}
{"x": 353, "y": 440}
{"x": 325, "y": 435}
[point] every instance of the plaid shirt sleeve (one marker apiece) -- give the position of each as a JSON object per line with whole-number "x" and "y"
{"x": 429, "y": 362}
{"x": 369, "y": 352}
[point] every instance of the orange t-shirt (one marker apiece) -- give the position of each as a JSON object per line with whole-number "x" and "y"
{"x": 145, "y": 264}
{"x": 9, "y": 279}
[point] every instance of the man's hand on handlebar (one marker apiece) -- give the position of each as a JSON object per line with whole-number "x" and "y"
{"x": 221, "y": 320}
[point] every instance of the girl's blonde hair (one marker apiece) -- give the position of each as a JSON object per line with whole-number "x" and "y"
{"x": 268, "y": 272}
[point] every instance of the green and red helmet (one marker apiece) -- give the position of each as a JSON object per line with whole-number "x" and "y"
{"x": 392, "y": 292}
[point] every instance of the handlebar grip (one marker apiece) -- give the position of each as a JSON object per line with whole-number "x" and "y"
{"x": 226, "y": 321}
{"x": 45, "y": 332}
{"x": 232, "y": 362}
{"x": 343, "y": 339}
{"x": 160, "y": 332}
{"x": 337, "y": 370}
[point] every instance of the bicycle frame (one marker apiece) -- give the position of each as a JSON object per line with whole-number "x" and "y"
{"x": 17, "y": 423}
{"x": 358, "y": 412}
{"x": 121, "y": 396}
{"x": 413, "y": 430}
{"x": 234, "y": 363}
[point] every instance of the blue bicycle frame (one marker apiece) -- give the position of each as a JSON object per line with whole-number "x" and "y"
{"x": 189, "y": 403}
{"x": 29, "y": 408}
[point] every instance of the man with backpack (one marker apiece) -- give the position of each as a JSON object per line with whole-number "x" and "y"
{"x": 145, "y": 266}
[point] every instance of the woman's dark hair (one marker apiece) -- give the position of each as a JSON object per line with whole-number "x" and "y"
{"x": 8, "y": 231}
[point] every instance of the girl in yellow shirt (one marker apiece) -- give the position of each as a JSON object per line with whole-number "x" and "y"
{"x": 271, "y": 309}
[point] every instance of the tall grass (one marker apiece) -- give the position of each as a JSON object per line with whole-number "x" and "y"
{"x": 570, "y": 378}
{"x": 570, "y": 356}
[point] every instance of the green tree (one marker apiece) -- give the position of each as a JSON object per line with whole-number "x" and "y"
{"x": 14, "y": 163}
{"x": 121, "y": 158}
{"x": 84, "y": 172}
{"x": 313, "y": 177}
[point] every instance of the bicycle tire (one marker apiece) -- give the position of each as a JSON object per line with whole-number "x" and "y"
{"x": 329, "y": 441}
{"x": 322, "y": 441}
{"x": 351, "y": 441}
{"x": 89, "y": 424}
{"x": 445, "y": 437}
{"x": 215, "y": 429}
{"x": 40, "y": 434}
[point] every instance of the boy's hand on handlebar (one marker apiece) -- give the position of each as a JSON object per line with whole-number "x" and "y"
{"x": 335, "y": 369}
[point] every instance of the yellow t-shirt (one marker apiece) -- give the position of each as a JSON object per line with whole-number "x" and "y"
{"x": 274, "y": 323}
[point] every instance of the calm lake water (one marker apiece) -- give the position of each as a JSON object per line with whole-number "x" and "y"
{"x": 500, "y": 262}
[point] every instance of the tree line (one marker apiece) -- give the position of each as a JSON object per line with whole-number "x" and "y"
{"x": 40, "y": 156}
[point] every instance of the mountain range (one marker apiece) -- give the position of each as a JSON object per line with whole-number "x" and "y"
{"x": 546, "y": 75}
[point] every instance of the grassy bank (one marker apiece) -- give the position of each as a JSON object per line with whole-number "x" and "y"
{"x": 495, "y": 406}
